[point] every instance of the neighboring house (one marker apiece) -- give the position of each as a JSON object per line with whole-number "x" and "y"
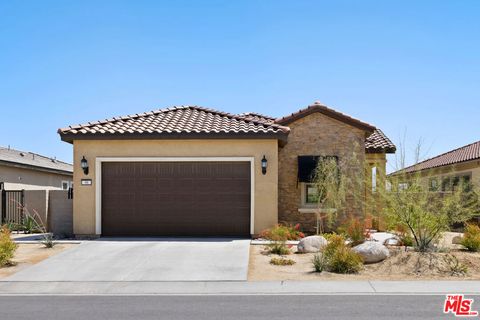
{"x": 29, "y": 171}
{"x": 191, "y": 171}
{"x": 444, "y": 172}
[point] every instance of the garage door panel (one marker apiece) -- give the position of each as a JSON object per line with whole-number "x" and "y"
{"x": 176, "y": 198}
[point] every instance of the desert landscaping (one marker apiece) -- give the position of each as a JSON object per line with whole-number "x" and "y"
{"x": 401, "y": 265}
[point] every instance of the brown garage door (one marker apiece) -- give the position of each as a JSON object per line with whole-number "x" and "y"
{"x": 176, "y": 198}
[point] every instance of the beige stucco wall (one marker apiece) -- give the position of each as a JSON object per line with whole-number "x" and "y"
{"x": 466, "y": 168}
{"x": 315, "y": 134}
{"x": 265, "y": 207}
{"x": 28, "y": 179}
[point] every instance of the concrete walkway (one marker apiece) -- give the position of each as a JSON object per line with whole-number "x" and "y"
{"x": 240, "y": 288}
{"x": 168, "y": 259}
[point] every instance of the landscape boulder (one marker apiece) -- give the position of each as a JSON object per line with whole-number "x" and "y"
{"x": 372, "y": 251}
{"x": 311, "y": 244}
{"x": 385, "y": 238}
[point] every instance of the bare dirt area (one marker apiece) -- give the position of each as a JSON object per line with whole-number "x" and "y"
{"x": 28, "y": 254}
{"x": 401, "y": 265}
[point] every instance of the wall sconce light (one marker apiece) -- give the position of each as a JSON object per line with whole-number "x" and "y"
{"x": 264, "y": 165}
{"x": 84, "y": 165}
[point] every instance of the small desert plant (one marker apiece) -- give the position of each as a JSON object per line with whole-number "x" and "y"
{"x": 319, "y": 262}
{"x": 48, "y": 240}
{"x": 454, "y": 266}
{"x": 345, "y": 260}
{"x": 354, "y": 230}
{"x": 7, "y": 246}
{"x": 278, "y": 247}
{"x": 282, "y": 262}
{"x": 282, "y": 232}
{"x": 471, "y": 237}
{"x": 339, "y": 258}
{"x": 12, "y": 226}
{"x": 328, "y": 235}
{"x": 30, "y": 225}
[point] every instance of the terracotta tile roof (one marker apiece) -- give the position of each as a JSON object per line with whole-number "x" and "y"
{"x": 257, "y": 117}
{"x": 14, "y": 157}
{"x": 317, "y": 106}
{"x": 379, "y": 142}
{"x": 375, "y": 143}
{"x": 462, "y": 154}
{"x": 181, "y": 121}
{"x": 194, "y": 121}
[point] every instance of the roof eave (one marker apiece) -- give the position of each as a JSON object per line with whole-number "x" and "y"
{"x": 328, "y": 112}
{"x": 280, "y": 135}
{"x": 381, "y": 150}
{"x": 34, "y": 167}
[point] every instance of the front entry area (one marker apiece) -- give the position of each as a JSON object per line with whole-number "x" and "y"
{"x": 176, "y": 198}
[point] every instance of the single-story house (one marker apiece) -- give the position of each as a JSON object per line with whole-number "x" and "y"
{"x": 21, "y": 170}
{"x": 192, "y": 171}
{"x": 445, "y": 171}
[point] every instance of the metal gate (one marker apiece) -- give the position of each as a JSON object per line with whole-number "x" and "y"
{"x": 12, "y": 206}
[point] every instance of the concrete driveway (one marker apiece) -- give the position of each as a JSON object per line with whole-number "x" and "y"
{"x": 145, "y": 260}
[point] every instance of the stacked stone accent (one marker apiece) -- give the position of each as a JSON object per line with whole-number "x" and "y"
{"x": 315, "y": 134}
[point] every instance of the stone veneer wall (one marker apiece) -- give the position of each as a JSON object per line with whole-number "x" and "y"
{"x": 315, "y": 134}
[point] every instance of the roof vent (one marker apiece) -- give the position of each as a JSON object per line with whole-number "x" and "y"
{"x": 22, "y": 154}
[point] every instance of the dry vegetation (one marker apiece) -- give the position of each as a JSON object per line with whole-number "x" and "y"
{"x": 400, "y": 266}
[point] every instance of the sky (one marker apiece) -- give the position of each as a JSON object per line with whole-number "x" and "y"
{"x": 411, "y": 68}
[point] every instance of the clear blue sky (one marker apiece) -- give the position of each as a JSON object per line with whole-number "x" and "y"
{"x": 399, "y": 65}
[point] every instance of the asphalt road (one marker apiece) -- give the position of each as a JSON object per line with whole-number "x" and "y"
{"x": 224, "y": 307}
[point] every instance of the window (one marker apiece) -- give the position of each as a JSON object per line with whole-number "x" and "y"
{"x": 461, "y": 181}
{"x": 433, "y": 184}
{"x": 66, "y": 185}
{"x": 454, "y": 182}
{"x": 402, "y": 186}
{"x": 307, "y": 166}
{"x": 447, "y": 184}
{"x": 311, "y": 193}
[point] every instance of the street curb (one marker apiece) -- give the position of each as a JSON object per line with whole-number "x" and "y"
{"x": 240, "y": 288}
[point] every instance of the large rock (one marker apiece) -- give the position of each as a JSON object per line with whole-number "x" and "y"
{"x": 311, "y": 244}
{"x": 372, "y": 251}
{"x": 385, "y": 238}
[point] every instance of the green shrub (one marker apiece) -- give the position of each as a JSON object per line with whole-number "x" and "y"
{"x": 319, "y": 262}
{"x": 471, "y": 237}
{"x": 278, "y": 247}
{"x": 282, "y": 233}
{"x": 7, "y": 246}
{"x": 328, "y": 235}
{"x": 282, "y": 262}
{"x": 338, "y": 257}
{"x": 344, "y": 260}
{"x": 335, "y": 242}
{"x": 426, "y": 215}
{"x": 354, "y": 230}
